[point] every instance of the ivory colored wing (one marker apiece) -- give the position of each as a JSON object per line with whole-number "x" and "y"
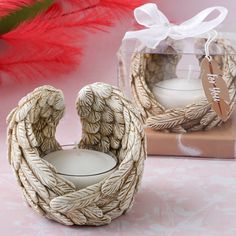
{"x": 31, "y": 135}
{"x": 110, "y": 124}
{"x": 147, "y": 69}
{"x": 142, "y": 94}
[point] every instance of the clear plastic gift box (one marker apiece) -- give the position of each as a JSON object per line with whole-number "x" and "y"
{"x": 183, "y": 115}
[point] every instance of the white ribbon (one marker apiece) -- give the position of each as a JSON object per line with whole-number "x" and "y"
{"x": 159, "y": 27}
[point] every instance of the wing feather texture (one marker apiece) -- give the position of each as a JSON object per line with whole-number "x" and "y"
{"x": 110, "y": 124}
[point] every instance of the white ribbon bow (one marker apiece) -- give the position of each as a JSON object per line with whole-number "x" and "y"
{"x": 159, "y": 27}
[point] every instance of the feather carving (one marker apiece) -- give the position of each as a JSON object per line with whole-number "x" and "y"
{"x": 168, "y": 119}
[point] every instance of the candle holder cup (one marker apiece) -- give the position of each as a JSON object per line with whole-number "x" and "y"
{"x": 184, "y": 90}
{"x": 110, "y": 123}
{"x": 168, "y": 99}
{"x": 83, "y": 167}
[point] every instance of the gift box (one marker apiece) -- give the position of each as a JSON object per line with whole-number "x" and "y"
{"x": 182, "y": 79}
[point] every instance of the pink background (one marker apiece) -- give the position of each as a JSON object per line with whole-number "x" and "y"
{"x": 178, "y": 196}
{"x": 181, "y": 10}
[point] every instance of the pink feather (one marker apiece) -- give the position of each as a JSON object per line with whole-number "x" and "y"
{"x": 112, "y": 5}
{"x": 52, "y": 43}
{"x": 8, "y": 6}
{"x": 47, "y": 46}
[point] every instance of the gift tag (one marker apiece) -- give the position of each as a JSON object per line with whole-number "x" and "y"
{"x": 215, "y": 88}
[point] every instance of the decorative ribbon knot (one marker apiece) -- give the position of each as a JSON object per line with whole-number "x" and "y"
{"x": 159, "y": 27}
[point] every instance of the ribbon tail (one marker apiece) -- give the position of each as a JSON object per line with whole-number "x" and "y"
{"x": 199, "y": 18}
{"x": 197, "y": 26}
{"x": 149, "y": 37}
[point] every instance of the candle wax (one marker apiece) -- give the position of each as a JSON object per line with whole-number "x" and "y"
{"x": 178, "y": 92}
{"x": 81, "y": 166}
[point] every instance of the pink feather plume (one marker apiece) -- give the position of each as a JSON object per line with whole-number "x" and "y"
{"x": 52, "y": 43}
{"x": 7, "y": 6}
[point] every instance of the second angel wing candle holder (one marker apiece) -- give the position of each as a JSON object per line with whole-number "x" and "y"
{"x": 151, "y": 60}
{"x": 147, "y": 69}
{"x": 110, "y": 123}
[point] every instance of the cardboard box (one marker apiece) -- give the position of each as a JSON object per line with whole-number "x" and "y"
{"x": 216, "y": 143}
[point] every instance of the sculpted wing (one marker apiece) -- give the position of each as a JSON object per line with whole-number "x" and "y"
{"x": 31, "y": 135}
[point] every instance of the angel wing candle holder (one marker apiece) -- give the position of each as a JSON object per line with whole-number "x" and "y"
{"x": 111, "y": 126}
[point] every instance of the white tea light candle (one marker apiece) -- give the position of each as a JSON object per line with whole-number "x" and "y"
{"x": 81, "y": 166}
{"x": 178, "y": 92}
